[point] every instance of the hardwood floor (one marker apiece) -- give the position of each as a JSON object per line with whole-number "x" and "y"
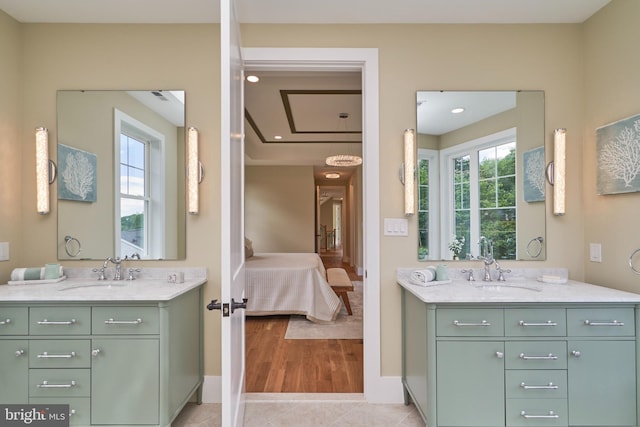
{"x": 277, "y": 365}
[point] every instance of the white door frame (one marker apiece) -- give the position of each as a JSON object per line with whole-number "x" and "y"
{"x": 377, "y": 389}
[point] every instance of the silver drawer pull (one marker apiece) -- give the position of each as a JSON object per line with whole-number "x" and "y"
{"x": 45, "y": 384}
{"x": 5, "y": 322}
{"x": 50, "y": 322}
{"x": 72, "y": 412}
{"x": 46, "y": 355}
{"x": 483, "y": 323}
{"x": 123, "y": 322}
{"x": 612, "y": 323}
{"x": 547, "y": 323}
{"x": 550, "y": 415}
{"x": 19, "y": 353}
{"x": 550, "y": 386}
{"x": 550, "y": 356}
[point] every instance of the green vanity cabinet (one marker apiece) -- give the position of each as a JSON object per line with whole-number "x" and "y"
{"x": 521, "y": 364}
{"x": 14, "y": 368}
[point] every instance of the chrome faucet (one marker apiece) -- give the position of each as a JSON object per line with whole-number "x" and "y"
{"x": 118, "y": 263}
{"x": 486, "y": 255}
{"x": 501, "y": 272}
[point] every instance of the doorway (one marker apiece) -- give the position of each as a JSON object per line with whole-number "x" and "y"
{"x": 364, "y": 60}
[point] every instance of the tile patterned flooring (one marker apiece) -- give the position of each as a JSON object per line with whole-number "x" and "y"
{"x": 305, "y": 410}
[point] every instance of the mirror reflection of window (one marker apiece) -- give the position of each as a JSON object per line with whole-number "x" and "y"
{"x": 428, "y": 204}
{"x": 134, "y": 194}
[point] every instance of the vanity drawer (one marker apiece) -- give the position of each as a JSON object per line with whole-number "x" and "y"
{"x": 536, "y": 355}
{"x": 59, "y": 382}
{"x": 535, "y": 322}
{"x": 536, "y": 384}
{"x": 59, "y": 354}
{"x": 125, "y": 320}
{"x": 601, "y": 322}
{"x": 59, "y": 320}
{"x": 537, "y": 412}
{"x": 468, "y": 322}
{"x": 79, "y": 408}
{"x": 14, "y": 321}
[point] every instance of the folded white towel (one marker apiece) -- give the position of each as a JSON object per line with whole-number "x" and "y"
{"x": 31, "y": 273}
{"x": 420, "y": 277}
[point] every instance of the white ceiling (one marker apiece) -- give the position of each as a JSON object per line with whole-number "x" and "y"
{"x": 305, "y": 11}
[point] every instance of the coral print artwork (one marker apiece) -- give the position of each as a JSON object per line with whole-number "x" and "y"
{"x": 77, "y": 174}
{"x": 618, "y": 152}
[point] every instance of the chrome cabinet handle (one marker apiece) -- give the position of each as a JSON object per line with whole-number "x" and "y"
{"x": 550, "y": 386}
{"x": 499, "y": 355}
{"x": 123, "y": 322}
{"x": 547, "y": 323}
{"x": 46, "y": 355}
{"x": 483, "y": 323}
{"x": 72, "y": 412}
{"x": 548, "y": 357}
{"x": 612, "y": 323}
{"x": 5, "y": 322}
{"x": 550, "y": 415}
{"x": 45, "y": 384}
{"x": 576, "y": 353}
{"x": 95, "y": 352}
{"x": 64, "y": 322}
{"x": 19, "y": 353}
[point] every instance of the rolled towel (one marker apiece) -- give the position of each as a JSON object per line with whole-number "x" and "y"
{"x": 32, "y": 273}
{"x": 421, "y": 277}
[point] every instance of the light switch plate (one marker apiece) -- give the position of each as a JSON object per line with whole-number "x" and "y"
{"x": 396, "y": 227}
{"x": 4, "y": 251}
{"x": 595, "y": 252}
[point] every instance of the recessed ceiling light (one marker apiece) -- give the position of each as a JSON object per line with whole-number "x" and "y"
{"x": 253, "y": 78}
{"x": 457, "y": 110}
{"x": 278, "y": 137}
{"x": 332, "y": 175}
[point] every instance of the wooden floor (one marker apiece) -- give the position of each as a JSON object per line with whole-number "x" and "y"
{"x": 277, "y": 365}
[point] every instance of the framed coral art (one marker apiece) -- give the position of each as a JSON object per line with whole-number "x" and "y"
{"x": 533, "y": 168}
{"x": 618, "y": 156}
{"x": 77, "y": 174}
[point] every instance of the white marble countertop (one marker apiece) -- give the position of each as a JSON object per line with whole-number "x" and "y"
{"x": 522, "y": 287}
{"x": 82, "y": 285}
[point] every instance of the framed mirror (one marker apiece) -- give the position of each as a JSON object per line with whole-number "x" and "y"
{"x": 121, "y": 174}
{"x": 481, "y": 182}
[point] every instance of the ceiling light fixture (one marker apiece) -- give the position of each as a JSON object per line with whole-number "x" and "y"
{"x": 457, "y": 110}
{"x": 278, "y": 137}
{"x": 344, "y": 160}
{"x": 253, "y": 78}
{"x": 332, "y": 175}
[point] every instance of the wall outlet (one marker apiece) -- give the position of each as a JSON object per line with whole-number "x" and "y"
{"x": 595, "y": 252}
{"x": 4, "y": 251}
{"x": 396, "y": 227}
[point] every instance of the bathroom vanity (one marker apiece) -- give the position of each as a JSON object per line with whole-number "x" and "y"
{"x": 118, "y": 352}
{"x": 520, "y": 353}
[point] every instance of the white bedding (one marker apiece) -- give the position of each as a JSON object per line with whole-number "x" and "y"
{"x": 289, "y": 283}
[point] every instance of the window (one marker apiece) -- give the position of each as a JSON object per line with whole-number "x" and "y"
{"x": 482, "y": 194}
{"x": 428, "y": 228}
{"x": 134, "y": 193}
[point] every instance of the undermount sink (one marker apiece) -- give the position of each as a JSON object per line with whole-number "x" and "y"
{"x": 503, "y": 287}
{"x": 100, "y": 285}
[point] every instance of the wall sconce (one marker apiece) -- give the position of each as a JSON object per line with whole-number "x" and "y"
{"x": 45, "y": 171}
{"x": 408, "y": 172}
{"x": 195, "y": 171}
{"x": 556, "y": 171}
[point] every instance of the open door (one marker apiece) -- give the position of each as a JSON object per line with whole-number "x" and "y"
{"x": 232, "y": 217}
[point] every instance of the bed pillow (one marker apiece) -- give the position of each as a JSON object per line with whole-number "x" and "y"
{"x": 248, "y": 248}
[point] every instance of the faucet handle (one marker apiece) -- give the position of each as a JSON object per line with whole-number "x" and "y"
{"x": 131, "y": 271}
{"x": 470, "y": 276}
{"x": 501, "y": 272}
{"x": 101, "y": 276}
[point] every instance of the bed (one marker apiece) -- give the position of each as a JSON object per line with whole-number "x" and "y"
{"x": 289, "y": 283}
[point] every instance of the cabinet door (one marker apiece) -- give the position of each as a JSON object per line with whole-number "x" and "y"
{"x": 14, "y": 371}
{"x": 602, "y": 383}
{"x": 125, "y": 381}
{"x": 470, "y": 384}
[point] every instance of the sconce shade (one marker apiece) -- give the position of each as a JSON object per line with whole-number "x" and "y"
{"x": 559, "y": 161}
{"x": 193, "y": 171}
{"x": 42, "y": 170}
{"x": 409, "y": 173}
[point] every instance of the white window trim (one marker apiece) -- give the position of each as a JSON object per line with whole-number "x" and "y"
{"x": 446, "y": 197}
{"x": 434, "y": 199}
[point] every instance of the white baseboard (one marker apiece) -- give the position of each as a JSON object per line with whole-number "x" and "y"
{"x": 386, "y": 390}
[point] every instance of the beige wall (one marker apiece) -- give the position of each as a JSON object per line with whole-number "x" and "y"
{"x": 612, "y": 79}
{"x": 280, "y": 208}
{"x": 576, "y": 65}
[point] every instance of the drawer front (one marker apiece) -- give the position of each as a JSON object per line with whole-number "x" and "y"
{"x": 537, "y": 412}
{"x": 59, "y": 353}
{"x": 14, "y": 321}
{"x": 79, "y": 408}
{"x": 601, "y": 322}
{"x": 536, "y": 355}
{"x": 532, "y": 322}
{"x": 59, "y": 382}
{"x": 125, "y": 320}
{"x": 59, "y": 320}
{"x": 536, "y": 384}
{"x": 483, "y": 322}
